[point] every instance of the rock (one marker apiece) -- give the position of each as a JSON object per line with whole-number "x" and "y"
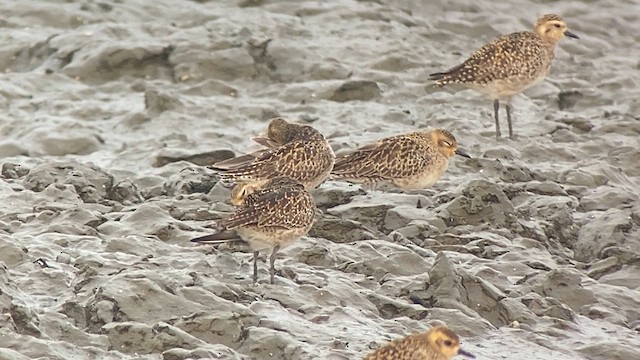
{"x": 328, "y": 69}
{"x": 62, "y": 138}
{"x": 132, "y": 337}
{"x": 603, "y": 267}
{"x": 269, "y": 343}
{"x": 148, "y": 219}
{"x": 463, "y": 324}
{"x": 607, "y": 197}
{"x": 137, "y": 300}
{"x": 501, "y": 153}
{"x": 446, "y": 288}
{"x": 609, "y": 350}
{"x": 401, "y": 216}
{"x": 627, "y": 276}
{"x": 8, "y": 354}
{"x": 340, "y": 231}
{"x": 24, "y": 320}
{"x": 234, "y": 324}
{"x": 363, "y": 90}
{"x": 624, "y": 159}
{"x": 158, "y": 101}
{"x": 510, "y": 172}
{"x": 545, "y": 188}
{"x": 419, "y": 231}
{"x": 102, "y": 62}
{"x": 547, "y": 306}
{"x": 14, "y": 171}
{"x": 582, "y": 178}
{"x": 10, "y": 148}
{"x": 365, "y": 214}
{"x": 286, "y": 61}
{"x": 196, "y": 64}
{"x": 568, "y": 99}
{"x": 564, "y": 284}
{"x": 203, "y": 159}
{"x": 601, "y": 231}
{"x": 90, "y": 182}
{"x": 317, "y": 255}
{"x": 10, "y": 253}
{"x": 215, "y": 351}
{"x": 549, "y": 219}
{"x": 210, "y": 87}
{"x": 405, "y": 263}
{"x": 125, "y": 191}
{"x": 580, "y": 124}
{"x": 395, "y": 62}
{"x": 332, "y": 194}
{"x": 615, "y": 304}
{"x": 478, "y": 201}
{"x": 389, "y": 308}
{"x": 219, "y": 193}
{"x": 190, "y": 180}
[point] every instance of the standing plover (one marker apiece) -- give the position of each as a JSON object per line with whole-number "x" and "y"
{"x": 510, "y": 64}
{"x": 271, "y": 217}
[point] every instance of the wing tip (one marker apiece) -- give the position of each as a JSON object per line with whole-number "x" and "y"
{"x": 216, "y": 238}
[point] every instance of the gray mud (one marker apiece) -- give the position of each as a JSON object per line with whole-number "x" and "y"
{"x": 110, "y": 110}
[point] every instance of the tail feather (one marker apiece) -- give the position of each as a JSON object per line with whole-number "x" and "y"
{"x": 438, "y": 76}
{"x": 217, "y": 238}
{"x": 233, "y": 163}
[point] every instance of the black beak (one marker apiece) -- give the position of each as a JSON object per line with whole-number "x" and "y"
{"x": 467, "y": 354}
{"x": 571, "y": 35}
{"x": 462, "y": 153}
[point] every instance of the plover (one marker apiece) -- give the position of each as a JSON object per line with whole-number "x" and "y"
{"x": 293, "y": 150}
{"x": 412, "y": 161}
{"x": 271, "y": 217}
{"x": 510, "y": 64}
{"x": 439, "y": 343}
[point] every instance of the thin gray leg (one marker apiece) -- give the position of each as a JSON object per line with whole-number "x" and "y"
{"x": 255, "y": 266}
{"x": 272, "y": 262}
{"x": 496, "y": 107}
{"x": 509, "y": 121}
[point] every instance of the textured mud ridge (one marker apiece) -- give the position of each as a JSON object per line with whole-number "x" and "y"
{"x": 110, "y": 110}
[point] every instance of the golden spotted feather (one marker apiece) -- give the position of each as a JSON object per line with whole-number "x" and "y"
{"x": 520, "y": 55}
{"x": 411, "y": 161}
{"x": 439, "y": 343}
{"x": 393, "y": 157}
{"x": 510, "y": 64}
{"x": 279, "y": 206}
{"x": 294, "y": 150}
{"x": 271, "y": 216}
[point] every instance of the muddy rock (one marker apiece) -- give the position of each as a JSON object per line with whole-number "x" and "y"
{"x": 529, "y": 250}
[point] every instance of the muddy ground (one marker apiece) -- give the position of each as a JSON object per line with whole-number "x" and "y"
{"x": 530, "y": 250}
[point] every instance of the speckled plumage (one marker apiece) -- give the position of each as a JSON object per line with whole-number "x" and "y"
{"x": 271, "y": 217}
{"x": 439, "y": 343}
{"x": 410, "y": 161}
{"x": 293, "y": 150}
{"x": 510, "y": 64}
{"x": 241, "y": 191}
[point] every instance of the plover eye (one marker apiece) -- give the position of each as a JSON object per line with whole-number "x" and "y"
{"x": 557, "y": 25}
{"x": 448, "y": 343}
